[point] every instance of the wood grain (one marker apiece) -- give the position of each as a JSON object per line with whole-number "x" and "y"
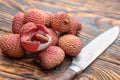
{"x": 95, "y": 16}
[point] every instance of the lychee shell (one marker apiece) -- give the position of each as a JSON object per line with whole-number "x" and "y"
{"x": 18, "y": 22}
{"x": 60, "y": 22}
{"x": 54, "y": 36}
{"x": 10, "y": 45}
{"x": 33, "y": 44}
{"x": 75, "y": 27}
{"x": 48, "y": 18}
{"x": 70, "y": 44}
{"x": 51, "y": 57}
{"x": 27, "y": 27}
{"x": 36, "y": 16}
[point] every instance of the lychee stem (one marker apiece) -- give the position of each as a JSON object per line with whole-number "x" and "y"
{"x": 66, "y": 21}
{"x": 41, "y": 38}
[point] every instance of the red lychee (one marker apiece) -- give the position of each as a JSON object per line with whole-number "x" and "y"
{"x": 60, "y": 22}
{"x": 75, "y": 27}
{"x": 48, "y": 18}
{"x": 27, "y": 27}
{"x": 36, "y": 16}
{"x": 18, "y": 22}
{"x": 71, "y": 44}
{"x": 51, "y": 57}
{"x": 10, "y": 45}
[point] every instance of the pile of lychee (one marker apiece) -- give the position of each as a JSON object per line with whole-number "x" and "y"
{"x": 51, "y": 36}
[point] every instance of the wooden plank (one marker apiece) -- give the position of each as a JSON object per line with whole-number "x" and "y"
{"x": 31, "y": 71}
{"x": 17, "y": 68}
{"x": 8, "y": 76}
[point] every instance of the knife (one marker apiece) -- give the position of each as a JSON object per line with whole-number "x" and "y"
{"x": 89, "y": 53}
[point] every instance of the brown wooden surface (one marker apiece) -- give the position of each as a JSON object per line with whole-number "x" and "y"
{"x": 96, "y": 17}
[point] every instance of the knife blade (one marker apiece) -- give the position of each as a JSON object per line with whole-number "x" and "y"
{"x": 89, "y": 53}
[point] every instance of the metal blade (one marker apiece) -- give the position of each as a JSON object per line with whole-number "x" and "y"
{"x": 90, "y": 52}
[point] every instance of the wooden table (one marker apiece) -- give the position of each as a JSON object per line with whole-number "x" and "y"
{"x": 96, "y": 16}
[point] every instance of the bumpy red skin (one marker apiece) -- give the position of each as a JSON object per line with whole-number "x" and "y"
{"x": 27, "y": 27}
{"x": 36, "y": 16}
{"x": 70, "y": 44}
{"x": 49, "y": 17}
{"x": 54, "y": 36}
{"x": 10, "y": 45}
{"x": 18, "y": 22}
{"x": 51, "y": 57}
{"x": 60, "y": 22}
{"x": 75, "y": 27}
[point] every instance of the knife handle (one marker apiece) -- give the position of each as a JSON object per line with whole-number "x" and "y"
{"x": 69, "y": 74}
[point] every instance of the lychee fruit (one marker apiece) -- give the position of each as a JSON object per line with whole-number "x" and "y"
{"x": 71, "y": 44}
{"x": 60, "y": 22}
{"x": 18, "y": 22}
{"x": 27, "y": 27}
{"x": 75, "y": 27}
{"x": 48, "y": 18}
{"x": 54, "y": 36}
{"x": 10, "y": 45}
{"x": 36, "y": 16}
{"x": 51, "y": 57}
{"x": 36, "y": 39}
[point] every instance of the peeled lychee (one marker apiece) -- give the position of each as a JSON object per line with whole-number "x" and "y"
{"x": 36, "y": 39}
{"x": 71, "y": 44}
{"x": 54, "y": 36}
{"x": 51, "y": 57}
{"x": 75, "y": 27}
{"x": 60, "y": 22}
{"x": 27, "y": 27}
{"x": 10, "y": 45}
{"x": 36, "y": 16}
{"x": 17, "y": 23}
